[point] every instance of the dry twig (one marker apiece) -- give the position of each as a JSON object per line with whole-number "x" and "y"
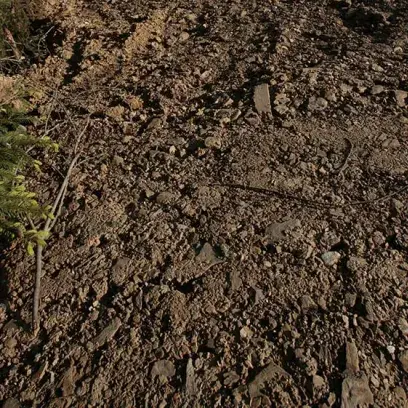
{"x": 49, "y": 224}
{"x": 311, "y": 203}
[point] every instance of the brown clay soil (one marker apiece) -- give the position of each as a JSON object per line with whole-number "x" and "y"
{"x": 209, "y": 253}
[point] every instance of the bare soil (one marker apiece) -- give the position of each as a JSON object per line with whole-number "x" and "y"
{"x": 211, "y": 253}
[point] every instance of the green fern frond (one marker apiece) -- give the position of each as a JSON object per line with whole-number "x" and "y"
{"x": 17, "y": 204}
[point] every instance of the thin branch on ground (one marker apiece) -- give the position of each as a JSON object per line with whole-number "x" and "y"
{"x": 309, "y": 202}
{"x": 49, "y": 224}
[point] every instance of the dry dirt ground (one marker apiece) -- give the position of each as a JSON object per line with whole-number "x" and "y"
{"x": 209, "y": 253}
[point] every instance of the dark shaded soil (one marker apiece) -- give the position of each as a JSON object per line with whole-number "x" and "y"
{"x": 209, "y": 255}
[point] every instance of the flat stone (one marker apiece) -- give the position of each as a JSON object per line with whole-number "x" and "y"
{"x": 10, "y": 343}
{"x": 213, "y": 142}
{"x": 331, "y": 258}
{"x": 163, "y": 368}
{"x": 400, "y": 97}
{"x": 246, "y": 333}
{"x": 262, "y": 99}
{"x": 355, "y": 264}
{"x": 403, "y": 326}
{"x": 166, "y": 197}
{"x": 317, "y": 104}
{"x": 207, "y": 255}
{"x": 352, "y": 360}
{"x": 356, "y": 392}
{"x": 307, "y": 304}
{"x": 318, "y": 382}
{"x": 270, "y": 372}
{"x": 108, "y": 332}
{"x": 350, "y": 299}
{"x": 377, "y": 68}
{"x": 191, "y": 386}
{"x": 184, "y": 36}
{"x": 403, "y": 358}
{"x": 275, "y": 231}
{"x": 377, "y": 89}
{"x": 120, "y": 270}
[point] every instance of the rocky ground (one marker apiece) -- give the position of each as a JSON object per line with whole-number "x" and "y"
{"x": 236, "y": 231}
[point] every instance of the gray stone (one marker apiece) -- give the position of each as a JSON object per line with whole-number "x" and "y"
{"x": 396, "y": 205}
{"x": 118, "y": 160}
{"x": 352, "y": 360}
{"x": 191, "y": 386}
{"x": 350, "y": 299}
{"x": 307, "y": 304}
{"x": 403, "y": 358}
{"x": 246, "y": 333}
{"x": 400, "y": 97}
{"x": 331, "y": 258}
{"x": 108, "y": 332}
{"x": 163, "y": 369}
{"x": 317, "y": 104}
{"x": 165, "y": 198}
{"x": 213, "y": 142}
{"x": 120, "y": 270}
{"x": 275, "y": 231}
{"x": 403, "y": 326}
{"x": 377, "y": 68}
{"x": 262, "y": 99}
{"x": 377, "y": 89}
{"x": 355, "y": 264}
{"x": 318, "y": 382}
{"x": 356, "y": 392}
{"x": 207, "y": 255}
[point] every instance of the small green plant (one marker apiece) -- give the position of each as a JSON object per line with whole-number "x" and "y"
{"x": 19, "y": 206}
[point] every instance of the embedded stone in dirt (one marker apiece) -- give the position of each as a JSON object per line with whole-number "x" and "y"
{"x": 331, "y": 258}
{"x": 403, "y": 358}
{"x": 356, "y": 392}
{"x": 377, "y": 89}
{"x": 400, "y": 97}
{"x": 262, "y": 99}
{"x": 11, "y": 403}
{"x": 213, "y": 142}
{"x": 107, "y": 333}
{"x": 120, "y": 271}
{"x": 191, "y": 387}
{"x": 165, "y": 198}
{"x": 318, "y": 382}
{"x": 230, "y": 378}
{"x": 246, "y": 333}
{"x": 317, "y": 104}
{"x": 355, "y": 264}
{"x": 307, "y": 304}
{"x": 403, "y": 326}
{"x": 207, "y": 255}
{"x": 352, "y": 361}
{"x": 275, "y": 231}
{"x": 268, "y": 373}
{"x": 163, "y": 369}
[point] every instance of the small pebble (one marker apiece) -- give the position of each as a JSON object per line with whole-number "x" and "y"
{"x": 331, "y": 258}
